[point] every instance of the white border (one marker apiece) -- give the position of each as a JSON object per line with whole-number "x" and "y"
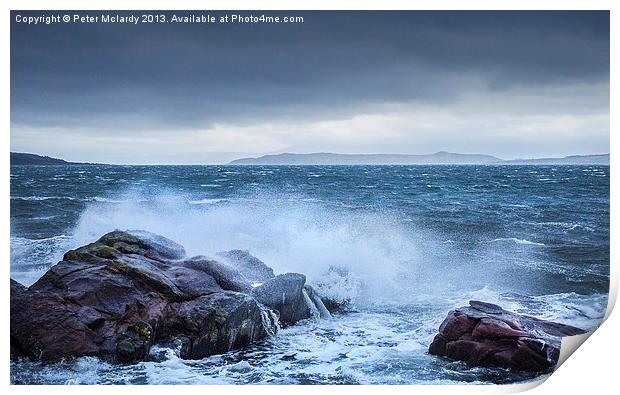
{"x": 593, "y": 368}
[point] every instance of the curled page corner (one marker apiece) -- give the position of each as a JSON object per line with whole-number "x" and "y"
{"x": 570, "y": 344}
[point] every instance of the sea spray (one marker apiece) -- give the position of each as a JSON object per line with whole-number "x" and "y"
{"x": 290, "y": 235}
{"x": 385, "y": 260}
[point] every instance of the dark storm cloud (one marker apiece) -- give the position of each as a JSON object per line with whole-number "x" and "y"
{"x": 163, "y": 75}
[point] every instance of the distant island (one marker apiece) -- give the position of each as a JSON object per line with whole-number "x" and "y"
{"x": 24, "y": 159}
{"x": 438, "y": 158}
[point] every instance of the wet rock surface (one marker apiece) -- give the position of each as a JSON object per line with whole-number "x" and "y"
{"x": 484, "y": 334}
{"x": 134, "y": 344}
{"x": 255, "y": 270}
{"x": 285, "y": 293}
{"x": 117, "y": 296}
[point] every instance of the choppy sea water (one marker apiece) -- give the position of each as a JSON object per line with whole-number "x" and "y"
{"x": 415, "y": 240}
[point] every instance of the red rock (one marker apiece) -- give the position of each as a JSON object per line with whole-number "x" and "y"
{"x": 103, "y": 298}
{"x": 484, "y": 334}
{"x": 457, "y": 325}
{"x": 492, "y": 328}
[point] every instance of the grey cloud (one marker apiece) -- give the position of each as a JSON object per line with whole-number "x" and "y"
{"x": 113, "y": 81}
{"x": 200, "y": 74}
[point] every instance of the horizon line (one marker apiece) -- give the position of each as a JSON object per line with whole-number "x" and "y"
{"x": 499, "y": 162}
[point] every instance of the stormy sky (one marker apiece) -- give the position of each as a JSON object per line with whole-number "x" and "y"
{"x": 511, "y": 84}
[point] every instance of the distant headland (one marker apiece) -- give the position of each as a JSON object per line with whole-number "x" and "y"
{"x": 20, "y": 158}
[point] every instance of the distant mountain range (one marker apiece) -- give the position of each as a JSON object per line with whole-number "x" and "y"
{"x": 438, "y": 158}
{"x": 441, "y": 157}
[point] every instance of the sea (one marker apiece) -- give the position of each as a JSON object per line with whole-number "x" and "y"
{"x": 402, "y": 244}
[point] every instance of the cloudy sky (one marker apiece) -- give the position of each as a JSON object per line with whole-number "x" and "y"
{"x": 511, "y": 84}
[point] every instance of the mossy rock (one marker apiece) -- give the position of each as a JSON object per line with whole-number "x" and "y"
{"x": 143, "y": 243}
{"x": 135, "y": 343}
{"x": 91, "y": 252}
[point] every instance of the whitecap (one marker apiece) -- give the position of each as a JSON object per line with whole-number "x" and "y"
{"x": 519, "y": 241}
{"x": 41, "y": 198}
{"x": 107, "y": 200}
{"x": 46, "y": 217}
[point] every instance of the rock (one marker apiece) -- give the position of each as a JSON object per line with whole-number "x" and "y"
{"x": 17, "y": 288}
{"x": 228, "y": 278}
{"x": 486, "y": 307}
{"x": 316, "y": 302}
{"x": 134, "y": 344}
{"x": 335, "y": 306}
{"x": 251, "y": 267}
{"x": 285, "y": 293}
{"x": 143, "y": 243}
{"x": 103, "y": 298}
{"x": 484, "y": 334}
{"x": 45, "y": 327}
{"x": 218, "y": 323}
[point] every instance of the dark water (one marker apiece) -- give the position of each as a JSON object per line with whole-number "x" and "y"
{"x": 417, "y": 241}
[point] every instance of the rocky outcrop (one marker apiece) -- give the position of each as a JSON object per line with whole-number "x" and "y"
{"x": 484, "y": 334}
{"x": 116, "y": 297}
{"x": 255, "y": 270}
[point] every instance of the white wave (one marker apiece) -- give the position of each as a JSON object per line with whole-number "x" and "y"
{"x": 31, "y": 258}
{"x": 581, "y": 227}
{"x": 27, "y": 240}
{"x": 85, "y": 370}
{"x": 519, "y": 241}
{"x": 568, "y": 226}
{"x": 41, "y": 198}
{"x": 107, "y": 200}
{"x": 43, "y": 218}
